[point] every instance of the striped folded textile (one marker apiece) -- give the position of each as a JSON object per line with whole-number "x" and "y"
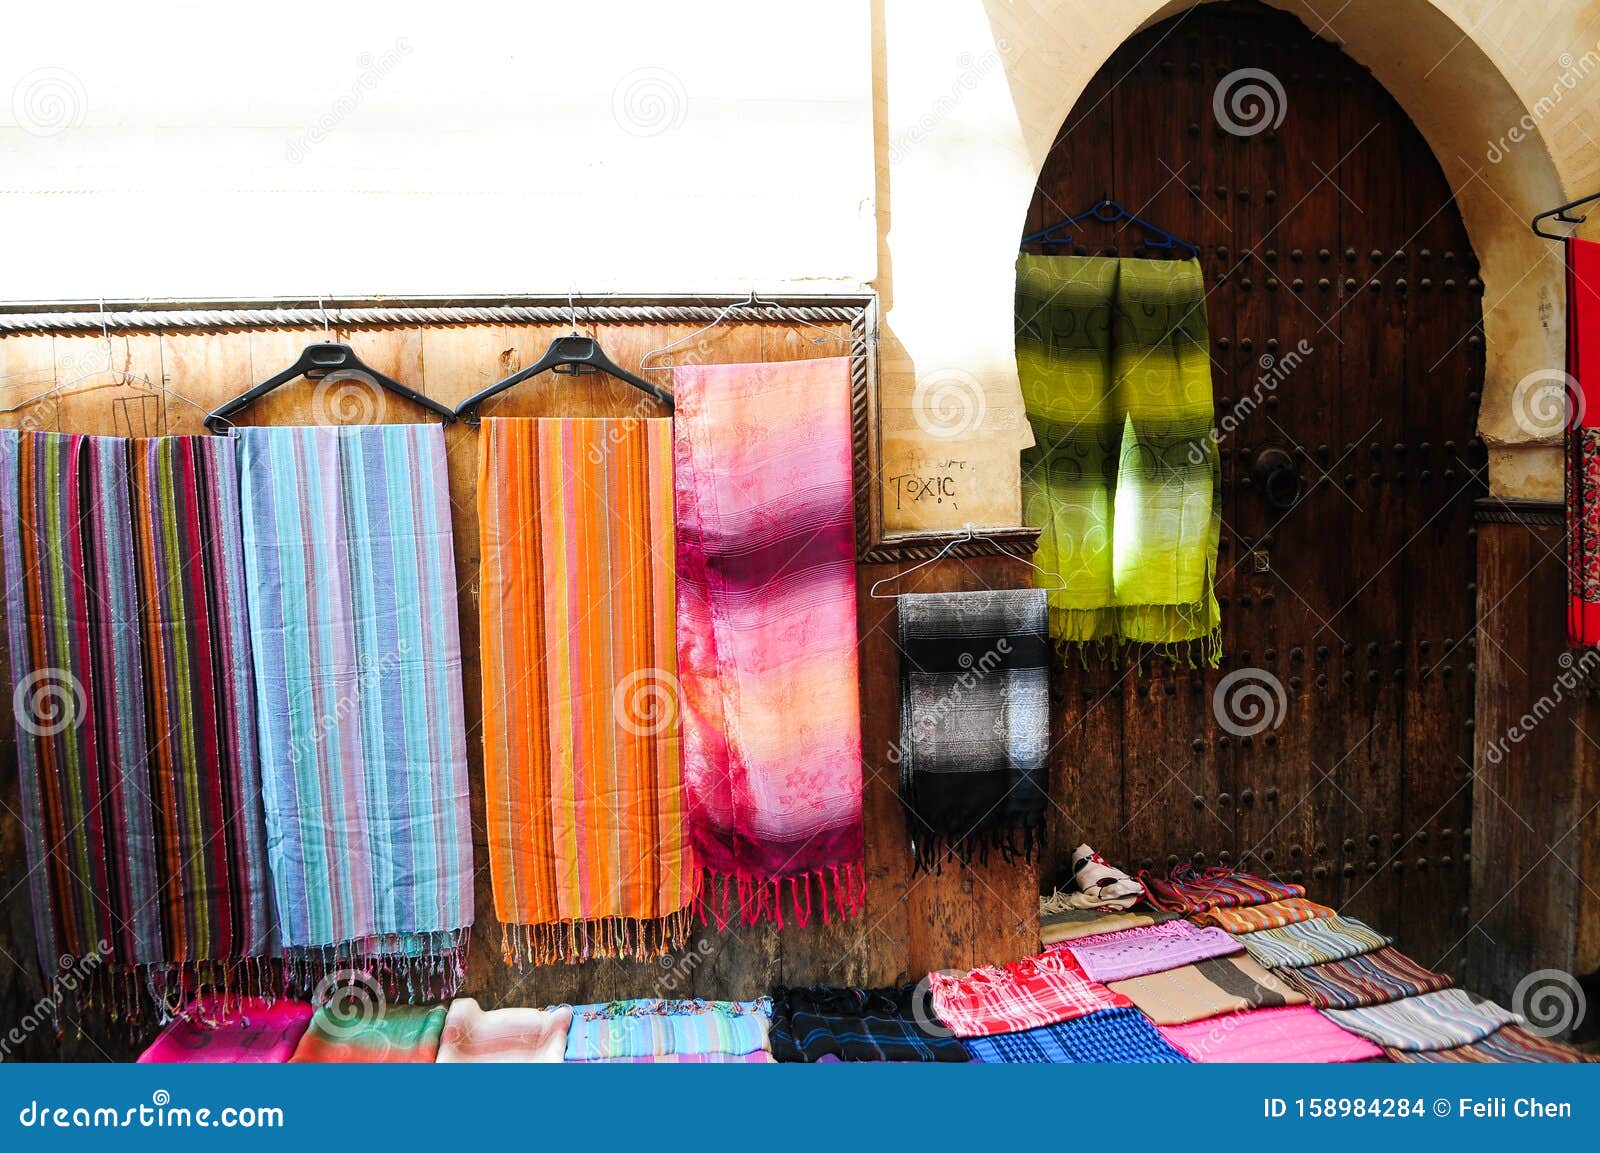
{"x": 1509, "y": 1044}
{"x": 352, "y": 577}
{"x": 1150, "y": 949}
{"x": 503, "y": 1036}
{"x": 250, "y": 1031}
{"x": 767, "y": 636}
{"x": 757, "y": 1058}
{"x": 663, "y": 1028}
{"x": 1068, "y": 924}
{"x": 1297, "y": 1033}
{"x": 588, "y": 833}
{"x": 135, "y": 718}
{"x": 1273, "y": 915}
{"x": 1373, "y": 978}
{"x": 1109, "y": 1036}
{"x": 1187, "y": 890}
{"x": 1040, "y": 990}
{"x": 1313, "y": 942}
{"x": 353, "y": 1030}
{"x": 1209, "y": 988}
{"x": 1440, "y": 1020}
{"x": 889, "y": 1024}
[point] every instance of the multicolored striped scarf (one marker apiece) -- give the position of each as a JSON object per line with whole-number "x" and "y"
{"x": 503, "y": 1036}
{"x": 1297, "y": 1033}
{"x": 1441, "y": 1020}
{"x": 1581, "y": 398}
{"x": 1507, "y": 1044}
{"x": 1110, "y": 1036}
{"x": 1254, "y": 918}
{"x": 588, "y": 834}
{"x": 767, "y": 635}
{"x": 1368, "y": 979}
{"x": 1188, "y": 890}
{"x": 131, "y": 687}
{"x": 666, "y": 1028}
{"x": 358, "y": 688}
{"x": 896, "y": 1023}
{"x": 372, "y": 1034}
{"x": 1124, "y": 479}
{"x": 974, "y": 722}
{"x": 1313, "y": 942}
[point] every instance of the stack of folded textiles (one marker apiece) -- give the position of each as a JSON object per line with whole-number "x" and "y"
{"x": 823, "y": 1023}
{"x": 666, "y": 1031}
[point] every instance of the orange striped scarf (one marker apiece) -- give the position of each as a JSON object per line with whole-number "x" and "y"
{"x": 588, "y": 838}
{"x": 1273, "y": 915}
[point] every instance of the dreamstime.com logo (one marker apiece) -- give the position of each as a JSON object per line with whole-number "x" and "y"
{"x": 48, "y": 701}
{"x": 72, "y": 973}
{"x": 645, "y": 702}
{"x": 1249, "y": 701}
{"x": 649, "y": 102}
{"x": 1547, "y": 403}
{"x": 1574, "y": 674}
{"x": 949, "y": 403}
{"x": 1551, "y": 1000}
{"x": 158, "y": 1113}
{"x": 348, "y": 396}
{"x": 1249, "y": 101}
{"x": 48, "y": 102}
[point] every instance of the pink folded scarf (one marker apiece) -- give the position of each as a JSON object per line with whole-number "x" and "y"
{"x": 256, "y": 1032}
{"x": 1107, "y": 957}
{"x": 1293, "y": 1033}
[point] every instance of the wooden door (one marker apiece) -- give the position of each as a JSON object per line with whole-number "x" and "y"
{"x": 1334, "y": 745}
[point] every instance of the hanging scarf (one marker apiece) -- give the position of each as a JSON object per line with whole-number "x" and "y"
{"x": 974, "y": 722}
{"x": 1188, "y": 890}
{"x": 1582, "y": 400}
{"x": 767, "y": 635}
{"x": 1373, "y": 978}
{"x": 1209, "y": 988}
{"x": 1509, "y": 1044}
{"x": 503, "y": 1036}
{"x": 1296, "y": 1034}
{"x": 1440, "y": 1020}
{"x": 358, "y": 694}
{"x": 1124, "y": 479}
{"x": 1148, "y": 949}
{"x": 1272, "y": 915}
{"x": 1110, "y": 1036}
{"x": 255, "y": 1032}
{"x": 1313, "y": 942}
{"x": 588, "y": 836}
{"x": 896, "y": 1023}
{"x": 130, "y": 664}
{"x": 375, "y": 1035}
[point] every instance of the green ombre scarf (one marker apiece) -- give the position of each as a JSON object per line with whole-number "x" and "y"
{"x": 1124, "y": 481}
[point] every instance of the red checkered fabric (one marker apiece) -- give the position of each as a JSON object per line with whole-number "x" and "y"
{"x": 1041, "y": 990}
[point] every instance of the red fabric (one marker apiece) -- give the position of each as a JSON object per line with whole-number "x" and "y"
{"x": 1583, "y": 442}
{"x": 1041, "y": 990}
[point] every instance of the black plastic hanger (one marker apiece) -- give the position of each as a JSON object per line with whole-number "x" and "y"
{"x": 573, "y": 354}
{"x": 1560, "y": 215}
{"x": 1108, "y": 211}
{"x": 318, "y": 360}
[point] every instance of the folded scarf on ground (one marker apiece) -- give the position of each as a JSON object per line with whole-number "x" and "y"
{"x": 1150, "y": 949}
{"x": 1295, "y": 1033}
{"x": 1110, "y": 1036}
{"x": 1039, "y": 990}
{"x": 1187, "y": 890}
{"x": 588, "y": 836}
{"x": 661, "y": 1028}
{"x": 1070, "y": 923}
{"x": 1209, "y": 988}
{"x": 358, "y": 691}
{"x": 1440, "y": 1020}
{"x": 974, "y": 722}
{"x": 503, "y": 1036}
{"x": 365, "y": 1033}
{"x": 757, "y": 1058}
{"x": 1253, "y": 918}
{"x": 1509, "y": 1043}
{"x": 135, "y": 717}
{"x": 252, "y": 1031}
{"x": 1373, "y": 978}
{"x": 767, "y": 635}
{"x": 890, "y": 1024}
{"x": 1313, "y": 942}
{"x": 1582, "y": 426}
{"x": 1095, "y": 884}
{"x": 1124, "y": 479}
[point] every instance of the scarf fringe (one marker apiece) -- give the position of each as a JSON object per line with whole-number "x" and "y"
{"x": 1194, "y": 653}
{"x": 208, "y": 992}
{"x": 832, "y": 890}
{"x": 407, "y": 968}
{"x": 615, "y": 938}
{"x": 1014, "y": 843}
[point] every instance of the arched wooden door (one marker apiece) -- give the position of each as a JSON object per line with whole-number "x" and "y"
{"x": 1322, "y": 218}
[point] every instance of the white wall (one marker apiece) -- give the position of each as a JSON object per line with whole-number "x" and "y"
{"x": 175, "y": 150}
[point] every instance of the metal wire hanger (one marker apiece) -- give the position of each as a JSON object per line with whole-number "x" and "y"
{"x": 971, "y": 535}
{"x": 751, "y": 301}
{"x": 1108, "y": 211}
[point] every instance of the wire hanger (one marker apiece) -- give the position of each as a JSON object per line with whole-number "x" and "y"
{"x": 1561, "y": 214}
{"x": 317, "y": 361}
{"x": 771, "y": 307}
{"x": 1108, "y": 211}
{"x": 971, "y": 535}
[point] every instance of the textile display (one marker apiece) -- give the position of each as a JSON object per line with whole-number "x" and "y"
{"x": 974, "y": 722}
{"x": 251, "y": 1031}
{"x": 1509, "y": 1043}
{"x": 1209, "y": 988}
{"x": 1038, "y": 990}
{"x": 135, "y": 716}
{"x": 1313, "y": 942}
{"x": 503, "y": 1036}
{"x": 1117, "y": 956}
{"x": 771, "y": 714}
{"x": 352, "y": 580}
{"x": 654, "y": 1028}
{"x": 1367, "y": 979}
{"x": 1441, "y": 1020}
{"x": 1187, "y": 890}
{"x": 887, "y": 1024}
{"x": 355, "y": 1031}
{"x": 1274, "y": 915}
{"x": 588, "y": 834}
{"x": 1296, "y": 1033}
{"x": 1107, "y": 1036}
{"x": 1583, "y": 441}
{"x": 1124, "y": 479}
{"x": 1058, "y": 923}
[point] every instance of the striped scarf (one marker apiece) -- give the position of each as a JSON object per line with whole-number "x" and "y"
{"x": 131, "y": 686}
{"x": 1368, "y": 979}
{"x": 1253, "y": 918}
{"x": 1188, "y": 890}
{"x": 1440, "y": 1020}
{"x": 588, "y": 837}
{"x": 767, "y": 635}
{"x": 1313, "y": 942}
{"x": 1109, "y": 1036}
{"x": 894, "y": 1023}
{"x": 1508, "y": 1044}
{"x": 655, "y": 1028}
{"x": 1124, "y": 479}
{"x": 358, "y": 687}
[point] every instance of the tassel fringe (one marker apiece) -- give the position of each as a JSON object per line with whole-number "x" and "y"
{"x": 834, "y": 890}
{"x": 931, "y": 851}
{"x": 411, "y": 968}
{"x": 619, "y": 938}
